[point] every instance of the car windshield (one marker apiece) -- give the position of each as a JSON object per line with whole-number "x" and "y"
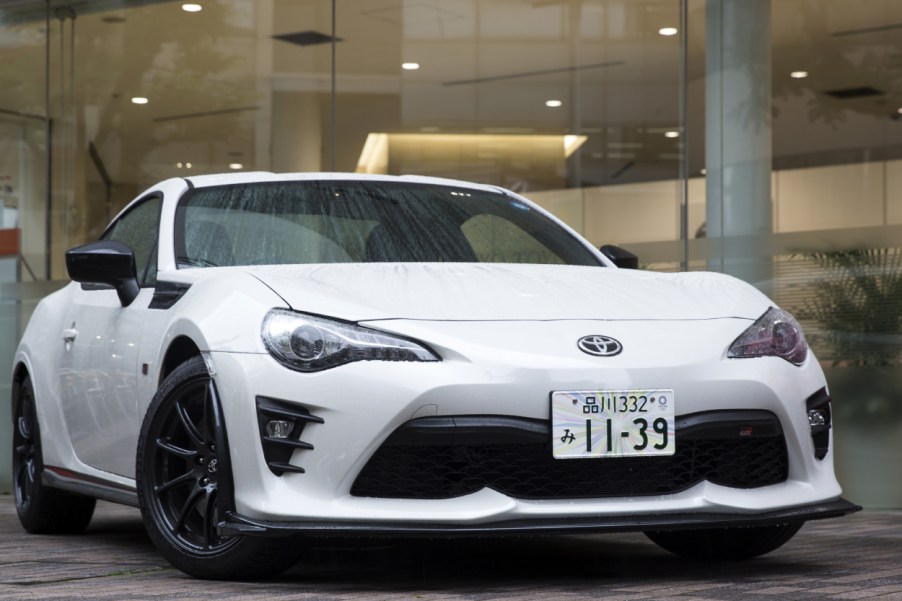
{"x": 365, "y": 222}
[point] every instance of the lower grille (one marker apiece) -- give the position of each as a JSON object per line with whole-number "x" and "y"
{"x": 419, "y": 462}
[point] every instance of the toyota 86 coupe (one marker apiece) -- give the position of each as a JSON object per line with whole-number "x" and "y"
{"x": 255, "y": 360}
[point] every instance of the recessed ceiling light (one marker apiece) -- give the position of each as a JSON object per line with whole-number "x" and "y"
{"x": 704, "y": 171}
{"x": 668, "y": 31}
{"x": 139, "y": 100}
{"x": 553, "y": 103}
{"x": 236, "y": 166}
{"x": 192, "y": 8}
{"x": 187, "y": 165}
{"x": 410, "y": 66}
{"x": 179, "y": 165}
{"x": 799, "y": 74}
{"x": 899, "y": 110}
{"x": 671, "y": 134}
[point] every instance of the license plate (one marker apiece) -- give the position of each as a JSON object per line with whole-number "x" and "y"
{"x": 612, "y": 423}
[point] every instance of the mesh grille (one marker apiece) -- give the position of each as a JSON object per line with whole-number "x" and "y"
{"x": 530, "y": 472}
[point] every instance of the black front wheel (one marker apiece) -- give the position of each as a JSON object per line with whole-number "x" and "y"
{"x": 41, "y": 509}
{"x": 184, "y": 484}
{"x": 725, "y": 543}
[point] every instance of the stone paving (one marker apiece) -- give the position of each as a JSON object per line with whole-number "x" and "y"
{"x": 856, "y": 557}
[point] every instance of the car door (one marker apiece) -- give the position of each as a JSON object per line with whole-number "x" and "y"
{"x": 99, "y": 367}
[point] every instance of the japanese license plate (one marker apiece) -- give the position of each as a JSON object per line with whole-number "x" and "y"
{"x": 612, "y": 423}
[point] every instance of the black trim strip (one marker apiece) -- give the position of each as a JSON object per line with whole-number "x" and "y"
{"x": 235, "y": 524}
{"x": 499, "y": 429}
{"x": 286, "y": 467}
{"x": 295, "y": 444}
{"x": 270, "y": 407}
{"x": 166, "y": 294}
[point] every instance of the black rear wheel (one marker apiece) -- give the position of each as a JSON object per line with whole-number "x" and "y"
{"x": 184, "y": 484}
{"x": 725, "y": 543}
{"x": 41, "y": 509}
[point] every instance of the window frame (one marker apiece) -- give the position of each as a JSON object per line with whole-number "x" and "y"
{"x": 141, "y": 271}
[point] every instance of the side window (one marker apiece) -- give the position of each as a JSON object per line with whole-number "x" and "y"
{"x": 139, "y": 229}
{"x": 497, "y": 240}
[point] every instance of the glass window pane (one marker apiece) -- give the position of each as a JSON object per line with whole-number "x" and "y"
{"x": 138, "y": 229}
{"x": 342, "y": 222}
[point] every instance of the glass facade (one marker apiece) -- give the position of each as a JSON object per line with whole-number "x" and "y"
{"x": 761, "y": 139}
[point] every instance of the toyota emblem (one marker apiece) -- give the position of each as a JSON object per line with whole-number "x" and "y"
{"x": 600, "y": 346}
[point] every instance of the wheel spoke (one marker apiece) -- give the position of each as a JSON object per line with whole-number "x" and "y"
{"x": 24, "y": 429}
{"x": 177, "y": 451}
{"x": 22, "y": 473}
{"x": 26, "y": 450}
{"x": 209, "y": 518}
{"x": 208, "y": 425}
{"x": 186, "y": 477}
{"x": 189, "y": 426}
{"x": 190, "y": 503}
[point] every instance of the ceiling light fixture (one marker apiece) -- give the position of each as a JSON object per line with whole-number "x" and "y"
{"x": 799, "y": 74}
{"x": 192, "y": 8}
{"x": 410, "y": 66}
{"x": 553, "y": 103}
{"x": 668, "y": 31}
{"x": 236, "y": 166}
{"x": 139, "y": 100}
{"x": 671, "y": 134}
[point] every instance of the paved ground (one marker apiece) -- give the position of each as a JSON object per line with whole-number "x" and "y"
{"x": 856, "y": 557}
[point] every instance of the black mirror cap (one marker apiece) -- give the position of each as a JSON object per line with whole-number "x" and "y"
{"x": 621, "y": 257}
{"x": 105, "y": 262}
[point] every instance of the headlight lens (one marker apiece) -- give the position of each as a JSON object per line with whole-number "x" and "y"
{"x": 775, "y": 334}
{"x": 308, "y": 343}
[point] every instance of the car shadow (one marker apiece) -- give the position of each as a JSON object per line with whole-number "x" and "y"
{"x": 478, "y": 564}
{"x": 416, "y": 564}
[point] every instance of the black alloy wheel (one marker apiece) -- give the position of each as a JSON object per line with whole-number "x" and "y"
{"x": 41, "y": 509}
{"x": 184, "y": 484}
{"x": 26, "y": 462}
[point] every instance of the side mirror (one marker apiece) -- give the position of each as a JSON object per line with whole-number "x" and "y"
{"x": 621, "y": 257}
{"x": 105, "y": 262}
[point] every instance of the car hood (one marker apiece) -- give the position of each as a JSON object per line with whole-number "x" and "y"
{"x": 481, "y": 292}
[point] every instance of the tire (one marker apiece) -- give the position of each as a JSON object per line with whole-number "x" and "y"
{"x": 725, "y": 543}
{"x": 41, "y": 509}
{"x": 184, "y": 484}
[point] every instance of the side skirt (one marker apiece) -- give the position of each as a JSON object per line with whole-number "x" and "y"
{"x": 57, "y": 477}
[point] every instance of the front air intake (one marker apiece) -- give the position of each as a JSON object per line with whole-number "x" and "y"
{"x": 820, "y": 419}
{"x": 452, "y": 456}
{"x": 281, "y": 425}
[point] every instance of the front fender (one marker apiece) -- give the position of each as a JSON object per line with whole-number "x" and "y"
{"x": 223, "y": 310}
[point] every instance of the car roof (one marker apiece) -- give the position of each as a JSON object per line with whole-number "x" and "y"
{"x": 248, "y": 177}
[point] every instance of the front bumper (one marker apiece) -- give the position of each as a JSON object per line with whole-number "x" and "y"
{"x": 235, "y": 524}
{"x": 362, "y": 404}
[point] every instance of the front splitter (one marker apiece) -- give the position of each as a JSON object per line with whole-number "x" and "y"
{"x": 237, "y": 525}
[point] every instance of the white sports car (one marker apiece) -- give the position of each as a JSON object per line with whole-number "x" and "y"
{"x": 252, "y": 357}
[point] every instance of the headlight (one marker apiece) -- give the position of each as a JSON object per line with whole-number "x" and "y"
{"x": 775, "y": 334}
{"x": 309, "y": 343}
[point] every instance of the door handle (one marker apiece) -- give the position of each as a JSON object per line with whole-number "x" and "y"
{"x": 69, "y": 335}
